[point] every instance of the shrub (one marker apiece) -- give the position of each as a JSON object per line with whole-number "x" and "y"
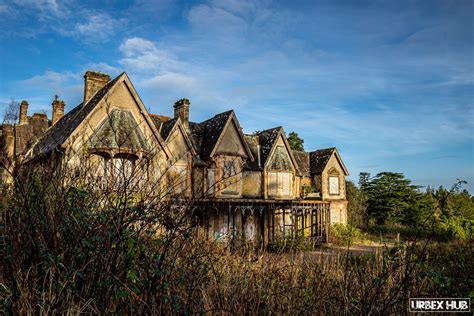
{"x": 290, "y": 243}
{"x": 346, "y": 234}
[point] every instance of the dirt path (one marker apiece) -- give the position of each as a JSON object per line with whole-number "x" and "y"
{"x": 357, "y": 249}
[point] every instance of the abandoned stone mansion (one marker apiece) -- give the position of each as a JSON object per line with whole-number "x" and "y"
{"x": 251, "y": 185}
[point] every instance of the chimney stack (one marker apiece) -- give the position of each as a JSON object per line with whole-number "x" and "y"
{"x": 58, "y": 109}
{"x": 23, "y": 112}
{"x": 181, "y": 110}
{"x": 93, "y": 82}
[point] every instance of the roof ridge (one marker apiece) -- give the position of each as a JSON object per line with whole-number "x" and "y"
{"x": 217, "y": 115}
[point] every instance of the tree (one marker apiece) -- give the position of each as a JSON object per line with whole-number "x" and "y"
{"x": 356, "y": 207}
{"x": 392, "y": 198}
{"x": 296, "y": 142}
{"x": 12, "y": 112}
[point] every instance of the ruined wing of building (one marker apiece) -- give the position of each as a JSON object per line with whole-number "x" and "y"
{"x": 253, "y": 184}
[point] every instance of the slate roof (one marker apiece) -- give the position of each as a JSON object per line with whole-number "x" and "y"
{"x": 302, "y": 159}
{"x": 196, "y": 131}
{"x": 319, "y": 159}
{"x": 59, "y": 132}
{"x": 164, "y": 124}
{"x": 252, "y": 142}
{"x": 266, "y": 139}
{"x": 209, "y": 132}
{"x": 166, "y": 128}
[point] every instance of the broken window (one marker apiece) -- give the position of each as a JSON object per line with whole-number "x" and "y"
{"x": 231, "y": 176}
{"x": 178, "y": 176}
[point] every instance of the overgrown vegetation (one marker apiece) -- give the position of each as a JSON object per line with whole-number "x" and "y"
{"x": 72, "y": 243}
{"x": 69, "y": 247}
{"x": 388, "y": 203}
{"x": 346, "y": 234}
{"x": 290, "y": 243}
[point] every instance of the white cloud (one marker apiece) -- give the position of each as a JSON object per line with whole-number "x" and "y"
{"x": 94, "y": 28}
{"x": 51, "y": 6}
{"x": 143, "y": 55}
{"x": 167, "y": 81}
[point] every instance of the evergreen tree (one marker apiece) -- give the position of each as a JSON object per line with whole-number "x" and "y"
{"x": 296, "y": 142}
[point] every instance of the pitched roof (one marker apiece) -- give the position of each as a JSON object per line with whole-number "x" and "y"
{"x": 158, "y": 120}
{"x": 212, "y": 130}
{"x": 252, "y": 142}
{"x": 267, "y": 139}
{"x": 196, "y": 132}
{"x": 164, "y": 124}
{"x": 319, "y": 159}
{"x": 60, "y": 132}
{"x": 302, "y": 159}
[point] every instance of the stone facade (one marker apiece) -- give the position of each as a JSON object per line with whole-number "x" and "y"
{"x": 252, "y": 186}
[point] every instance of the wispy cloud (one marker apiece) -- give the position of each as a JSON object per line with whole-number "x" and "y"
{"x": 143, "y": 55}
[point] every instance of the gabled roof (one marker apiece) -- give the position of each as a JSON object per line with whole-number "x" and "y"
{"x": 268, "y": 139}
{"x": 60, "y": 132}
{"x": 302, "y": 159}
{"x": 319, "y": 159}
{"x": 206, "y": 135}
{"x": 158, "y": 120}
{"x": 213, "y": 129}
{"x": 165, "y": 125}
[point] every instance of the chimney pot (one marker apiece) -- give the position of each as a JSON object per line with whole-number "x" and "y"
{"x": 93, "y": 82}
{"x": 181, "y": 110}
{"x": 23, "y": 112}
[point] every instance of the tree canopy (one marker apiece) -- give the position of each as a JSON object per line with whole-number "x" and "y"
{"x": 296, "y": 142}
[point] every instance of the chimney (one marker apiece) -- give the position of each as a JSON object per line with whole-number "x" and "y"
{"x": 23, "y": 112}
{"x": 181, "y": 110}
{"x": 58, "y": 109}
{"x": 8, "y": 152}
{"x": 93, "y": 82}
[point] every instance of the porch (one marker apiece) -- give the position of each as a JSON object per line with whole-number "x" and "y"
{"x": 262, "y": 221}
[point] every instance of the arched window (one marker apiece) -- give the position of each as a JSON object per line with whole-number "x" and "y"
{"x": 334, "y": 185}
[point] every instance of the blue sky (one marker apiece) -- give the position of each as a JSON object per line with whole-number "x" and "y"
{"x": 389, "y": 83}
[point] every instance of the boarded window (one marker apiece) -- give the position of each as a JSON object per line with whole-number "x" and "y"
{"x": 333, "y": 185}
{"x": 286, "y": 184}
{"x": 178, "y": 177}
{"x": 280, "y": 184}
{"x": 210, "y": 180}
{"x": 273, "y": 183}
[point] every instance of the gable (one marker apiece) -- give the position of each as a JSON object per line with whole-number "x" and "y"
{"x": 129, "y": 119}
{"x": 335, "y": 165}
{"x": 231, "y": 142}
{"x": 119, "y": 130}
{"x": 78, "y": 125}
{"x": 280, "y": 157}
{"x": 177, "y": 144}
